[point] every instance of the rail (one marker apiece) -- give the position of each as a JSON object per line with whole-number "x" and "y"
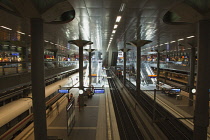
{"x": 169, "y": 124}
{"x": 126, "y": 124}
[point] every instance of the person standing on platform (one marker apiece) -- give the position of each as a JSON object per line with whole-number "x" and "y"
{"x": 71, "y": 97}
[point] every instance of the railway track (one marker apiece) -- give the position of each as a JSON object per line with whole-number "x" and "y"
{"x": 126, "y": 125}
{"x": 171, "y": 126}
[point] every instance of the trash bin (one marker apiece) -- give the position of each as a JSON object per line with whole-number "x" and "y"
{"x": 179, "y": 97}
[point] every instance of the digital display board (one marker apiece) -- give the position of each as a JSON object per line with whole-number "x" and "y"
{"x": 176, "y": 90}
{"x": 99, "y": 90}
{"x": 63, "y": 91}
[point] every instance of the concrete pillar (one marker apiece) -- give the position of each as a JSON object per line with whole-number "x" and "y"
{"x": 81, "y": 67}
{"x": 124, "y": 68}
{"x": 90, "y": 77}
{"x": 56, "y": 58}
{"x": 201, "y": 113}
{"x": 192, "y": 75}
{"x": 158, "y": 68}
{"x": 138, "y": 68}
{"x": 37, "y": 76}
{"x": 90, "y": 51}
{"x": 25, "y": 58}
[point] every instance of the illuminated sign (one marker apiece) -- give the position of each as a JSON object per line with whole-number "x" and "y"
{"x": 99, "y": 90}
{"x": 176, "y": 90}
{"x": 63, "y": 91}
{"x": 152, "y": 76}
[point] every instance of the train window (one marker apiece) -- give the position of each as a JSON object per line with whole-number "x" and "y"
{"x": 3, "y": 129}
{"x": 1, "y": 103}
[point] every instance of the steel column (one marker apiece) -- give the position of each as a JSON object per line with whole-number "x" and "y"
{"x": 201, "y": 113}
{"x": 37, "y": 77}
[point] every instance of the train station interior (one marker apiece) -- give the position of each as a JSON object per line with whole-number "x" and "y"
{"x": 104, "y": 69}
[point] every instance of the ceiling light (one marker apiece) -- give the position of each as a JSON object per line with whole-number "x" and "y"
{"x": 122, "y": 7}
{"x": 118, "y": 18}
{"x": 166, "y": 43}
{"x": 20, "y": 32}
{"x": 190, "y": 36}
{"x": 173, "y": 41}
{"x": 180, "y": 39}
{"x": 46, "y": 41}
{"x": 29, "y": 35}
{"x": 5, "y": 27}
{"x": 51, "y": 43}
{"x": 115, "y": 26}
{"x": 161, "y": 44}
{"x": 113, "y": 31}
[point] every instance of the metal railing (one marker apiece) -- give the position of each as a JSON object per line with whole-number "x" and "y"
{"x": 9, "y": 68}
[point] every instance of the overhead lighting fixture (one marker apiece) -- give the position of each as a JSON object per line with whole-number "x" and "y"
{"x": 118, "y": 18}
{"x": 20, "y": 32}
{"x": 173, "y": 41}
{"x": 166, "y": 43}
{"x": 122, "y": 7}
{"x": 115, "y": 26}
{"x": 29, "y": 35}
{"x": 180, "y": 39}
{"x": 51, "y": 43}
{"x": 161, "y": 44}
{"x": 46, "y": 41}
{"x": 107, "y": 48}
{"x": 5, "y": 27}
{"x": 113, "y": 31}
{"x": 190, "y": 36}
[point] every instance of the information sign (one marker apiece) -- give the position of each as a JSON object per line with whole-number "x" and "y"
{"x": 99, "y": 91}
{"x": 63, "y": 91}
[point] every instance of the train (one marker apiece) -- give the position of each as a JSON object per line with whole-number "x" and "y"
{"x": 18, "y": 114}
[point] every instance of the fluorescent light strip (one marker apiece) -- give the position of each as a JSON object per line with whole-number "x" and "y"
{"x": 122, "y": 7}
{"x": 115, "y": 26}
{"x": 51, "y": 43}
{"x": 20, "y": 32}
{"x": 180, "y": 39}
{"x": 118, "y": 18}
{"x": 166, "y": 43}
{"x": 173, "y": 41}
{"x": 113, "y": 31}
{"x": 46, "y": 41}
{"x": 5, "y": 27}
{"x": 107, "y": 48}
{"x": 190, "y": 36}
